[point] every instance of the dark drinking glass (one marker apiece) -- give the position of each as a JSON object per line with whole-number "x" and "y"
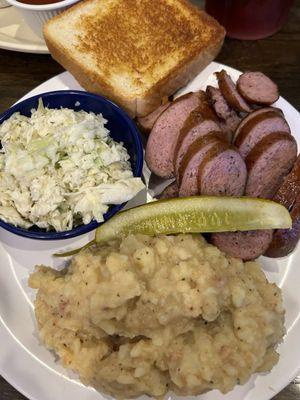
{"x": 249, "y": 19}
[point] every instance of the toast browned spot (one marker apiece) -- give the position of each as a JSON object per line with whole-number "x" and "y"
{"x": 134, "y": 52}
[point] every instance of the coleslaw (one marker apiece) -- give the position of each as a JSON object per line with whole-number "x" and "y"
{"x": 60, "y": 168}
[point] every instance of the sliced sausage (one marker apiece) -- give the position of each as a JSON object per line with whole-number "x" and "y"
{"x": 290, "y": 188}
{"x": 230, "y": 92}
{"x": 257, "y": 128}
{"x": 163, "y": 137}
{"x": 246, "y": 245}
{"x": 222, "y": 172}
{"x": 229, "y": 118}
{"x": 146, "y": 123}
{"x": 170, "y": 191}
{"x": 268, "y": 163}
{"x": 188, "y": 170}
{"x": 285, "y": 240}
{"x": 228, "y": 128}
{"x": 218, "y": 102}
{"x": 257, "y": 88}
{"x": 201, "y": 121}
{"x": 204, "y": 111}
{"x": 188, "y": 136}
{"x": 253, "y": 115}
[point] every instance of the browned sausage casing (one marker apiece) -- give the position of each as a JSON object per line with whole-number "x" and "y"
{"x": 205, "y": 128}
{"x": 230, "y": 92}
{"x": 289, "y": 189}
{"x": 268, "y": 163}
{"x": 163, "y": 137}
{"x": 170, "y": 192}
{"x": 229, "y": 118}
{"x": 200, "y": 122}
{"x": 253, "y": 115}
{"x": 146, "y": 123}
{"x": 257, "y": 128}
{"x": 285, "y": 240}
{"x": 188, "y": 171}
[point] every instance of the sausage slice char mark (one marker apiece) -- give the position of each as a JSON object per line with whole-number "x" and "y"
{"x": 249, "y": 117}
{"x": 163, "y": 137}
{"x": 229, "y": 91}
{"x": 229, "y": 119}
{"x": 290, "y": 187}
{"x": 268, "y": 163}
{"x": 146, "y": 123}
{"x": 188, "y": 170}
{"x": 257, "y": 128}
{"x": 200, "y": 122}
{"x": 285, "y": 240}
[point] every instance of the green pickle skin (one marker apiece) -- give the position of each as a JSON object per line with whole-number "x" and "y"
{"x": 197, "y": 214}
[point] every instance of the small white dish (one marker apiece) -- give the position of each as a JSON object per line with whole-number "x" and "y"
{"x": 16, "y": 35}
{"x": 37, "y": 15}
{"x": 4, "y": 4}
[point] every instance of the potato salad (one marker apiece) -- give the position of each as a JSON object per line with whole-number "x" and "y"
{"x": 60, "y": 168}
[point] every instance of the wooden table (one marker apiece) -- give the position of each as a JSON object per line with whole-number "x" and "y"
{"x": 277, "y": 56}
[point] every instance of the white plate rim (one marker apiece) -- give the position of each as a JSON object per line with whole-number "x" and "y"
{"x": 17, "y": 380}
{"x": 24, "y": 48}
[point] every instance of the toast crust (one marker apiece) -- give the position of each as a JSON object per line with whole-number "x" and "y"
{"x": 196, "y": 56}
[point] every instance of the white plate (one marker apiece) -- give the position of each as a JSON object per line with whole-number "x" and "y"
{"x": 28, "y": 366}
{"x": 16, "y": 35}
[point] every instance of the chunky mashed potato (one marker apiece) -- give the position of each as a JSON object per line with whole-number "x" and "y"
{"x": 145, "y": 315}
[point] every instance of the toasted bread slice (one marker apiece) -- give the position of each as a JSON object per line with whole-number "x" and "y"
{"x": 134, "y": 51}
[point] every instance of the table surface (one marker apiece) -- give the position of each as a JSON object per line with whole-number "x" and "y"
{"x": 277, "y": 56}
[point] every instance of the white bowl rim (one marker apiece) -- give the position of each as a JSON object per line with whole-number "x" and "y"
{"x": 42, "y": 7}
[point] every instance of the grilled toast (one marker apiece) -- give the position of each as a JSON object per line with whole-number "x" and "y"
{"x": 134, "y": 51}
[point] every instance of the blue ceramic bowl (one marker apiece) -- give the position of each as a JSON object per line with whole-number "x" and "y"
{"x": 121, "y": 128}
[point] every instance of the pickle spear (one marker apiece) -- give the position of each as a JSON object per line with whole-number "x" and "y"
{"x": 194, "y": 215}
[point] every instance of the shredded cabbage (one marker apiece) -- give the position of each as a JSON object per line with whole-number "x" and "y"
{"x": 60, "y": 168}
